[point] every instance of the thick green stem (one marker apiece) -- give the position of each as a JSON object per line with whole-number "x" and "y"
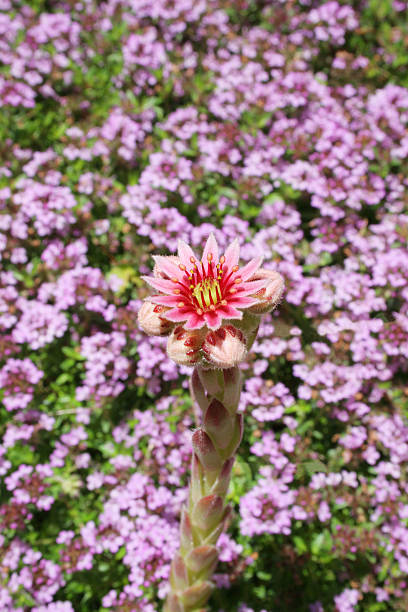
{"x": 216, "y": 394}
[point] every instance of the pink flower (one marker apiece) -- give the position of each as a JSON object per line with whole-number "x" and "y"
{"x": 205, "y": 292}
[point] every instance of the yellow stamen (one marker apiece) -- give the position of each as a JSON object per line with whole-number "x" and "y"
{"x": 207, "y": 293}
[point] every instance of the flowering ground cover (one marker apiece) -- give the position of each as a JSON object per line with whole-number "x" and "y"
{"x": 124, "y": 126}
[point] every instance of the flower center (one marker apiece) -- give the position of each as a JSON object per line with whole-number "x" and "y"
{"x": 207, "y": 293}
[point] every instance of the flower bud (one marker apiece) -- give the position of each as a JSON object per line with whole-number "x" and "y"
{"x": 196, "y": 595}
{"x": 151, "y": 319}
{"x": 205, "y": 450}
{"x": 183, "y": 346}
{"x": 269, "y": 296}
{"x": 224, "y": 348}
{"x": 207, "y": 512}
{"x": 202, "y": 558}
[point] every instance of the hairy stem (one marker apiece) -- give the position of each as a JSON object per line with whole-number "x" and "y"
{"x": 216, "y": 395}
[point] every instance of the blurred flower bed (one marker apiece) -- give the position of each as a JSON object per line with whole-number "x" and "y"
{"x": 125, "y": 125}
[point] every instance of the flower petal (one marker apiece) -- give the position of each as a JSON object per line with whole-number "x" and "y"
{"x": 211, "y": 248}
{"x": 249, "y": 288}
{"x": 161, "y": 284}
{"x": 165, "y": 300}
{"x": 249, "y": 270}
{"x": 256, "y": 285}
{"x": 194, "y": 321}
{"x": 229, "y": 312}
{"x": 213, "y": 318}
{"x": 232, "y": 254}
{"x": 169, "y": 267}
{"x": 177, "y": 314}
{"x": 185, "y": 253}
{"x": 242, "y": 301}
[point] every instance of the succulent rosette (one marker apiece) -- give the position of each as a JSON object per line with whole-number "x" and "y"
{"x": 202, "y": 303}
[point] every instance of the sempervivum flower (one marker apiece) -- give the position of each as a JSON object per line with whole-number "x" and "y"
{"x": 203, "y": 293}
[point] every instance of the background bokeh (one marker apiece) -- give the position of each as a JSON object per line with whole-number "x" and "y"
{"x": 125, "y": 125}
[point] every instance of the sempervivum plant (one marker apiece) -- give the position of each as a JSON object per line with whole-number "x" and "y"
{"x": 210, "y": 309}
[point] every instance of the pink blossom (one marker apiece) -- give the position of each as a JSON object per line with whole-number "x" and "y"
{"x": 205, "y": 292}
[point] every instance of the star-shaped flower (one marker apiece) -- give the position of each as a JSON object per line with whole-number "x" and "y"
{"x": 204, "y": 292}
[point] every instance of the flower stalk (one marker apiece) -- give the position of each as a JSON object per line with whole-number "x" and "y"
{"x": 207, "y": 514}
